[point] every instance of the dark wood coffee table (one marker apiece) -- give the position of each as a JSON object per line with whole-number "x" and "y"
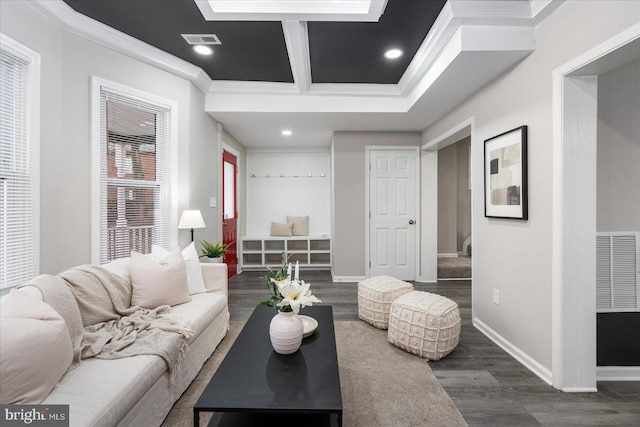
{"x": 254, "y": 385}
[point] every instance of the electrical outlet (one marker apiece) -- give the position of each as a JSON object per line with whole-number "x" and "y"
{"x": 212, "y": 202}
{"x": 496, "y": 296}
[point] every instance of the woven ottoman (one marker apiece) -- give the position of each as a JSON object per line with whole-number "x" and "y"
{"x": 375, "y": 296}
{"x": 424, "y": 324}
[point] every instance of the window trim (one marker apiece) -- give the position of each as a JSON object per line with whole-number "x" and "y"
{"x": 98, "y": 83}
{"x": 33, "y": 132}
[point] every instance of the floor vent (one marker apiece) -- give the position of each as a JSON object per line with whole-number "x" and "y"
{"x": 617, "y": 272}
{"x": 201, "y": 38}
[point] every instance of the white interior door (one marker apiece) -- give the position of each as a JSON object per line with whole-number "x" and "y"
{"x": 393, "y": 212}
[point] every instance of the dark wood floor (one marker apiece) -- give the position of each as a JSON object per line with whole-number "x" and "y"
{"x": 487, "y": 385}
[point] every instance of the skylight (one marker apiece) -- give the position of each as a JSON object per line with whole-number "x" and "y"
{"x": 301, "y": 10}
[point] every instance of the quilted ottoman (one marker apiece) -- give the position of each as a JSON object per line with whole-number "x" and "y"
{"x": 375, "y": 296}
{"x": 424, "y": 324}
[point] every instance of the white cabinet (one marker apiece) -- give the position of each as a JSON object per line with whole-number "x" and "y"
{"x": 311, "y": 252}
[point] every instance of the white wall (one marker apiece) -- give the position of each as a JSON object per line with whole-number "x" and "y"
{"x": 618, "y": 200}
{"x": 68, "y": 62}
{"x": 288, "y": 191}
{"x": 515, "y": 256}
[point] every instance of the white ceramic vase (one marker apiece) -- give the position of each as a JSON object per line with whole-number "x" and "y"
{"x": 285, "y": 331}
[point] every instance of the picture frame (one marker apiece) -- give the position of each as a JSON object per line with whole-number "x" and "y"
{"x": 505, "y": 175}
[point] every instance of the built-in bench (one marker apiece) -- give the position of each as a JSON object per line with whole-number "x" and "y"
{"x": 261, "y": 252}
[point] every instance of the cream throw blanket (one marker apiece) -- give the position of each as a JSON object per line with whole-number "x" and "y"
{"x": 103, "y": 325}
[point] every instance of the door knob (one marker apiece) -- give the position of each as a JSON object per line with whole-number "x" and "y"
{"x": 411, "y": 222}
{"x": 224, "y": 224}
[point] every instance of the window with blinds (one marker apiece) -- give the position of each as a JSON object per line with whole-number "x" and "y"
{"x": 135, "y": 193}
{"x": 18, "y": 175}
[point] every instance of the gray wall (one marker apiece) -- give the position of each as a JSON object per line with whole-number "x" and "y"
{"x": 67, "y": 63}
{"x": 447, "y": 199}
{"x": 349, "y": 210}
{"x": 454, "y": 197}
{"x": 464, "y": 193}
{"x": 515, "y": 256}
{"x": 618, "y": 197}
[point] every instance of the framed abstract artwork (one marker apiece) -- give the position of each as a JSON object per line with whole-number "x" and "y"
{"x": 505, "y": 175}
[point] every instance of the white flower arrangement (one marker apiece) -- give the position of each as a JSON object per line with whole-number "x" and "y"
{"x": 288, "y": 294}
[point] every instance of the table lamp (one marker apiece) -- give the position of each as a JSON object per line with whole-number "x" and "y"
{"x": 191, "y": 219}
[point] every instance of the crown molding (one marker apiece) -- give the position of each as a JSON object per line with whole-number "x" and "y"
{"x": 109, "y": 37}
{"x": 431, "y": 60}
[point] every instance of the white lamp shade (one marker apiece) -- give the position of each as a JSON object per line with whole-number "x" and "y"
{"x": 191, "y": 219}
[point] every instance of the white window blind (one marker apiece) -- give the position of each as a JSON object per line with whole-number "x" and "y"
{"x": 18, "y": 178}
{"x": 135, "y": 199}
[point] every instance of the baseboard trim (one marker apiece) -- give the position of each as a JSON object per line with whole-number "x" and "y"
{"x": 579, "y": 389}
{"x": 448, "y": 255}
{"x": 543, "y": 373}
{"x": 618, "y": 373}
{"x": 344, "y": 279}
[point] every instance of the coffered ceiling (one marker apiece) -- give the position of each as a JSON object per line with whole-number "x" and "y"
{"x": 301, "y": 65}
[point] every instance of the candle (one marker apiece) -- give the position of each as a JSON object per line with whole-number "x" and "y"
{"x": 289, "y": 271}
{"x": 297, "y": 271}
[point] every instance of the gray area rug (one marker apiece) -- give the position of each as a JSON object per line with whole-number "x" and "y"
{"x": 381, "y": 384}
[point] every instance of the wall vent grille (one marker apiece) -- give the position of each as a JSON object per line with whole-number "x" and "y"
{"x": 617, "y": 272}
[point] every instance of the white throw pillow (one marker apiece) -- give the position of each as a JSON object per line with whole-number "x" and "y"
{"x": 158, "y": 283}
{"x": 300, "y": 225}
{"x": 35, "y": 348}
{"x": 195, "y": 280}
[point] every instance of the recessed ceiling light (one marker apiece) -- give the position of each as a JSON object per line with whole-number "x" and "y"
{"x": 286, "y": 132}
{"x": 203, "y": 50}
{"x": 393, "y": 53}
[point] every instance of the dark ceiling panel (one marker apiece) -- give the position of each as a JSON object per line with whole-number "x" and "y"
{"x": 352, "y": 52}
{"x": 250, "y": 51}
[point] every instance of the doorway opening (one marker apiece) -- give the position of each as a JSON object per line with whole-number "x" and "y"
{"x": 575, "y": 97}
{"x": 454, "y": 210}
{"x": 230, "y": 211}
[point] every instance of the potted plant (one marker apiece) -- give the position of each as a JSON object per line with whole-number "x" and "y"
{"x": 213, "y": 252}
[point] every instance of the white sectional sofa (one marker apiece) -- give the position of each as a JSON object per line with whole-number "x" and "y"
{"x": 136, "y": 391}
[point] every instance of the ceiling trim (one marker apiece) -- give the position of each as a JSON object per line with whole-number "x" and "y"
{"x": 426, "y": 65}
{"x": 514, "y": 42}
{"x": 79, "y": 24}
{"x": 292, "y": 10}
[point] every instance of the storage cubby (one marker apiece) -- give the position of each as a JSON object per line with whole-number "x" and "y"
{"x": 260, "y": 253}
{"x": 320, "y": 245}
{"x": 252, "y": 245}
{"x": 297, "y": 245}
{"x": 273, "y": 259}
{"x": 274, "y": 245}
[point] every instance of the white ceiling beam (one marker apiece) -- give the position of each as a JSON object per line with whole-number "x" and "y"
{"x": 296, "y": 37}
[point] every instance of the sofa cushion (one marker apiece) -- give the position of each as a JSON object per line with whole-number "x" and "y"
{"x": 201, "y": 311}
{"x": 195, "y": 281}
{"x": 29, "y": 326}
{"x": 102, "y": 391}
{"x": 158, "y": 283}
